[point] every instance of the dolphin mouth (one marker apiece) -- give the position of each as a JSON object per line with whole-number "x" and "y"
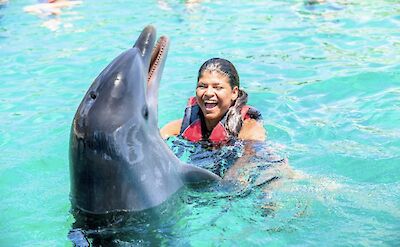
{"x": 158, "y": 56}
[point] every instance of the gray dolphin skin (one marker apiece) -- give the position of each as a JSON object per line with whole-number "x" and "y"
{"x": 118, "y": 160}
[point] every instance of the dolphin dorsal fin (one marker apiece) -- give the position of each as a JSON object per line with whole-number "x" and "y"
{"x": 192, "y": 174}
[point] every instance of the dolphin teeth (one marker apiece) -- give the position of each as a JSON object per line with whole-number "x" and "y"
{"x": 158, "y": 52}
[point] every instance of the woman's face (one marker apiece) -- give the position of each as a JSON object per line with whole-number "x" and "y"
{"x": 215, "y": 95}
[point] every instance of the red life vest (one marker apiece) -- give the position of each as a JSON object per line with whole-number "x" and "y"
{"x": 192, "y": 123}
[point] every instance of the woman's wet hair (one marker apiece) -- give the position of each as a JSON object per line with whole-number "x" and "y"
{"x": 233, "y": 117}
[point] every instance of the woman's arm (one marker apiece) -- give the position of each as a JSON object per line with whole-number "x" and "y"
{"x": 252, "y": 130}
{"x": 171, "y": 129}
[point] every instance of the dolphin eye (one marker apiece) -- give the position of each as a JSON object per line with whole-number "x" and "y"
{"x": 93, "y": 95}
{"x": 145, "y": 112}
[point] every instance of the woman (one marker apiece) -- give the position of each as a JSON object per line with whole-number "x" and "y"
{"x": 219, "y": 112}
{"x": 49, "y": 7}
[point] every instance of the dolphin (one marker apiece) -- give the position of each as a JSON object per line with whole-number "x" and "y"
{"x": 118, "y": 161}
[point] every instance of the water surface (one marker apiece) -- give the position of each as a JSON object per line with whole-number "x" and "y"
{"x": 325, "y": 77}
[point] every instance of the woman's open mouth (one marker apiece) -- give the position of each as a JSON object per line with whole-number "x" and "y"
{"x": 210, "y": 106}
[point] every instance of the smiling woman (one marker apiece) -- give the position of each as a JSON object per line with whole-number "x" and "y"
{"x": 218, "y": 112}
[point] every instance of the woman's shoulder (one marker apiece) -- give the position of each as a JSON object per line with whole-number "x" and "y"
{"x": 250, "y": 112}
{"x": 252, "y": 126}
{"x": 252, "y": 129}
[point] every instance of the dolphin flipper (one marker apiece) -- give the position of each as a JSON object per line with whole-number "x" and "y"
{"x": 193, "y": 174}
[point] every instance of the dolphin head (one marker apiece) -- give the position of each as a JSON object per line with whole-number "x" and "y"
{"x": 114, "y": 95}
{"x": 126, "y": 89}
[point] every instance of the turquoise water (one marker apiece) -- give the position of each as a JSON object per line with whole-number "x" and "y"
{"x": 325, "y": 77}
